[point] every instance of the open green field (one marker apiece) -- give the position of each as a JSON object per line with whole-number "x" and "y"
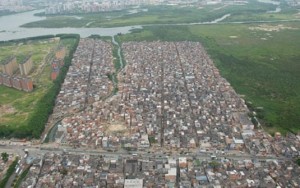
{"x": 262, "y": 65}
{"x": 253, "y": 11}
{"x": 17, "y": 107}
{"x": 37, "y": 49}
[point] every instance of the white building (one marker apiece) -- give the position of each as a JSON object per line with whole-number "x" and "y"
{"x": 133, "y": 183}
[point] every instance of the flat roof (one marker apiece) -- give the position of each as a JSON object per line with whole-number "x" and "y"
{"x": 7, "y": 60}
{"x": 25, "y": 59}
{"x": 133, "y": 183}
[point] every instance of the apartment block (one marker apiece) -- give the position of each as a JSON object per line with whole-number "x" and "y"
{"x": 9, "y": 65}
{"x": 27, "y": 84}
{"x": 7, "y": 81}
{"x": 16, "y": 83}
{"x": 26, "y": 66}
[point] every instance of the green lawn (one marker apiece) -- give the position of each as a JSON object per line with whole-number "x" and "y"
{"x": 21, "y": 104}
{"x": 263, "y": 65}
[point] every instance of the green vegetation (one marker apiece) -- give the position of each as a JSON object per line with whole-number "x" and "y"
{"x": 197, "y": 162}
{"x": 18, "y": 105}
{"x": 9, "y": 172}
{"x": 152, "y": 140}
{"x": 117, "y": 63}
{"x": 46, "y": 103}
{"x": 27, "y": 113}
{"x": 21, "y": 177}
{"x": 63, "y": 171}
{"x": 95, "y": 37}
{"x": 4, "y": 157}
{"x": 253, "y": 11}
{"x": 263, "y": 65}
{"x": 214, "y": 165}
{"x": 117, "y": 66}
{"x": 21, "y": 50}
{"x": 260, "y": 61}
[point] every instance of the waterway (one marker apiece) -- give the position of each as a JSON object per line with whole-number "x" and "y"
{"x": 119, "y": 52}
{"x": 10, "y": 28}
{"x": 269, "y": 1}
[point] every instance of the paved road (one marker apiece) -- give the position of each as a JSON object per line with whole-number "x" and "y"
{"x": 40, "y": 150}
{"x": 46, "y": 148}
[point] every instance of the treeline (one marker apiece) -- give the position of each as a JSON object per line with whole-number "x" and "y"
{"x": 45, "y": 105}
{"x": 24, "y": 40}
{"x": 21, "y": 178}
{"x": 9, "y": 172}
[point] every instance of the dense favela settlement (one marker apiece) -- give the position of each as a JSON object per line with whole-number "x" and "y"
{"x": 169, "y": 93}
{"x": 173, "y": 122}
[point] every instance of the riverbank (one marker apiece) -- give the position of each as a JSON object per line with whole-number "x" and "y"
{"x": 162, "y": 14}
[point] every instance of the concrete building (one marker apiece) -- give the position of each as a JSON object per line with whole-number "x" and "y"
{"x": 182, "y": 162}
{"x": 171, "y": 175}
{"x": 133, "y": 183}
{"x": 27, "y": 84}
{"x": 16, "y": 83}
{"x": 26, "y": 66}
{"x": 9, "y": 65}
{"x": 54, "y": 75}
{"x": 19, "y": 83}
{"x": 105, "y": 142}
{"x": 7, "y": 80}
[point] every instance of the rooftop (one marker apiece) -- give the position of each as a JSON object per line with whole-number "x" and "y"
{"x": 7, "y": 60}
{"x": 133, "y": 183}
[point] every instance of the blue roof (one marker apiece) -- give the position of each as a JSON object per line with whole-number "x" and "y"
{"x": 201, "y": 178}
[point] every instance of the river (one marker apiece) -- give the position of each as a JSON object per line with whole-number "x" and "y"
{"x": 10, "y": 28}
{"x": 269, "y": 1}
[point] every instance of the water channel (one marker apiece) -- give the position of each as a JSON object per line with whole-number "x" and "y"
{"x": 10, "y": 27}
{"x": 119, "y": 52}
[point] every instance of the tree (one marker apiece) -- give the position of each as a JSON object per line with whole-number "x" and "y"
{"x": 64, "y": 171}
{"x": 215, "y": 165}
{"x": 4, "y": 156}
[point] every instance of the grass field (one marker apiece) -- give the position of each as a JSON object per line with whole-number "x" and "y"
{"x": 263, "y": 65}
{"x": 37, "y": 49}
{"x": 18, "y": 106}
{"x": 253, "y": 11}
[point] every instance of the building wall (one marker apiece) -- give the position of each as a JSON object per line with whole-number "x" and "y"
{"x": 26, "y": 66}
{"x": 27, "y": 84}
{"x": 7, "y": 80}
{"x": 10, "y": 67}
{"x": 16, "y": 82}
{"x": 54, "y": 75}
